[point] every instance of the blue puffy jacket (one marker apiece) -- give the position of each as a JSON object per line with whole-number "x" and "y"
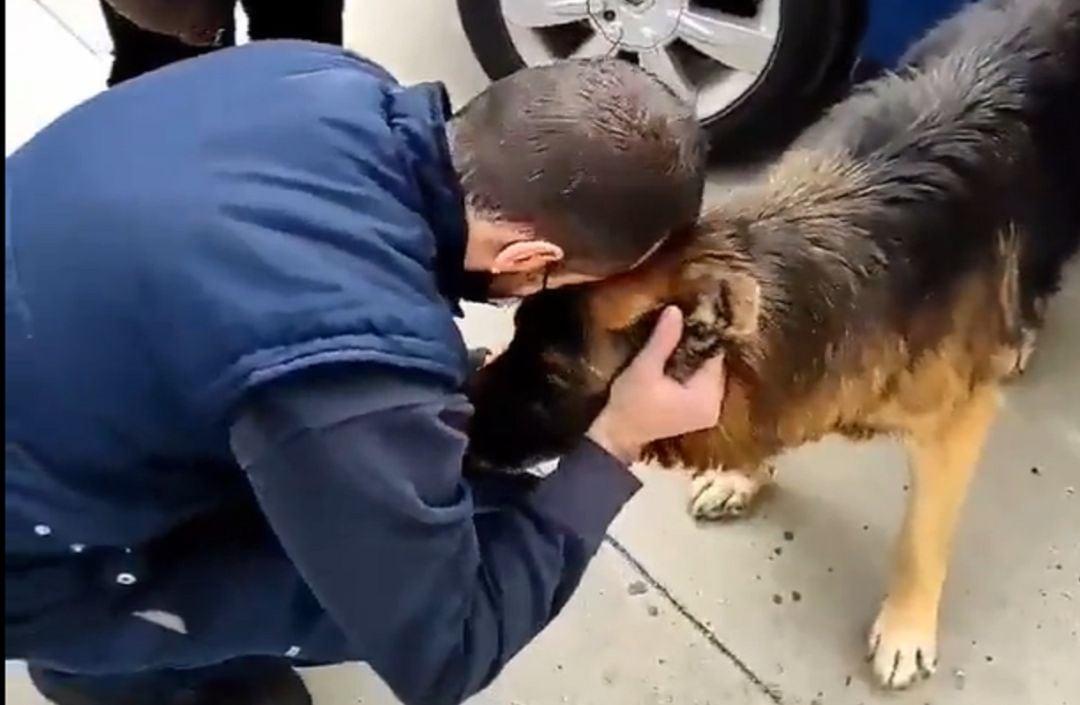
{"x": 172, "y": 243}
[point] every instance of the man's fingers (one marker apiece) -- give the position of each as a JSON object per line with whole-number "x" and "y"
{"x": 664, "y": 338}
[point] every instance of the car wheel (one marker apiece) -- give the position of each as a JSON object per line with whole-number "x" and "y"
{"x": 750, "y": 67}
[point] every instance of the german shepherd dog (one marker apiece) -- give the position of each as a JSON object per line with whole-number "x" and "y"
{"x": 884, "y": 276}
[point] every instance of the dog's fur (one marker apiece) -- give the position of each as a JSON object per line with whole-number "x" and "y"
{"x": 883, "y": 277}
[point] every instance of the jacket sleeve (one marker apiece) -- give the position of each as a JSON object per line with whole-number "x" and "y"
{"x": 359, "y": 474}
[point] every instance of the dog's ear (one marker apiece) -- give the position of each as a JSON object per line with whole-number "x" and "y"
{"x": 729, "y": 301}
{"x": 720, "y": 308}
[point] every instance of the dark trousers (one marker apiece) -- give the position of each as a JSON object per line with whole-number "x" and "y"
{"x": 137, "y": 51}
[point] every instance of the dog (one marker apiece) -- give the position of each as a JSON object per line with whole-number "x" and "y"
{"x": 885, "y": 276}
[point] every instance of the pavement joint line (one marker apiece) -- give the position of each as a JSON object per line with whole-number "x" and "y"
{"x": 68, "y": 28}
{"x": 770, "y": 691}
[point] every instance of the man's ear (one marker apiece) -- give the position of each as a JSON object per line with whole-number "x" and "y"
{"x": 525, "y": 256}
{"x": 720, "y": 307}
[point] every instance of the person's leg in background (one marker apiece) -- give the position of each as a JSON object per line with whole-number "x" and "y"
{"x": 137, "y": 51}
{"x": 313, "y": 20}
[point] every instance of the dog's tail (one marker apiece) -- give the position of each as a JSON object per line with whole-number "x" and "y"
{"x": 976, "y": 129}
{"x": 1000, "y": 79}
{"x": 1036, "y": 45}
{"x": 1022, "y": 57}
{"x": 1037, "y": 38}
{"x": 971, "y": 87}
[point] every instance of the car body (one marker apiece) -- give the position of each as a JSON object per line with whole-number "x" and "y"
{"x": 892, "y": 26}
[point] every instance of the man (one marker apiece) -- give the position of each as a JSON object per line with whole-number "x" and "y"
{"x": 149, "y": 34}
{"x": 234, "y": 426}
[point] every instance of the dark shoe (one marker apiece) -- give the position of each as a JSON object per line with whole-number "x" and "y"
{"x": 249, "y": 681}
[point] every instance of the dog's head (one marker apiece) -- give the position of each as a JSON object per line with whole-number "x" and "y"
{"x": 537, "y": 398}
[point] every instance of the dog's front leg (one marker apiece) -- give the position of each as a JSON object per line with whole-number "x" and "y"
{"x": 903, "y": 640}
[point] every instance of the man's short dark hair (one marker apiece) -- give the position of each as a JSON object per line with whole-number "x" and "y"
{"x": 602, "y": 157}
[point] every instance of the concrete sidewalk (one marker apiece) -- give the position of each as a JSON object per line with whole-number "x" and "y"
{"x": 770, "y": 610}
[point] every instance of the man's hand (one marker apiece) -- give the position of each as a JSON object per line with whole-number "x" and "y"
{"x": 646, "y": 405}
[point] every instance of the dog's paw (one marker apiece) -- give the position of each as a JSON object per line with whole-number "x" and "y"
{"x": 720, "y": 494}
{"x": 1012, "y": 361}
{"x": 1028, "y": 342}
{"x": 902, "y": 650}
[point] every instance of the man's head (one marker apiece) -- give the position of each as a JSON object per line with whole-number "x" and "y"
{"x": 574, "y": 172}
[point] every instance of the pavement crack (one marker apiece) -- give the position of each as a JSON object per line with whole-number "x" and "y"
{"x": 770, "y": 691}
{"x": 66, "y": 27}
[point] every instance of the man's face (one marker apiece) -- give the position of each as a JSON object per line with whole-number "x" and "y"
{"x": 539, "y": 395}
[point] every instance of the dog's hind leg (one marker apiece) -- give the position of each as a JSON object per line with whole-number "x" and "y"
{"x": 903, "y": 640}
{"x": 727, "y": 494}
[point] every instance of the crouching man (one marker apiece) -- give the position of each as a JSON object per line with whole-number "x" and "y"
{"x": 235, "y": 428}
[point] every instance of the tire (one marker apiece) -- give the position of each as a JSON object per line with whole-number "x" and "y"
{"x": 813, "y": 34}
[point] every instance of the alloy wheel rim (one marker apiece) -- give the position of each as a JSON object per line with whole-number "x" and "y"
{"x": 709, "y": 56}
